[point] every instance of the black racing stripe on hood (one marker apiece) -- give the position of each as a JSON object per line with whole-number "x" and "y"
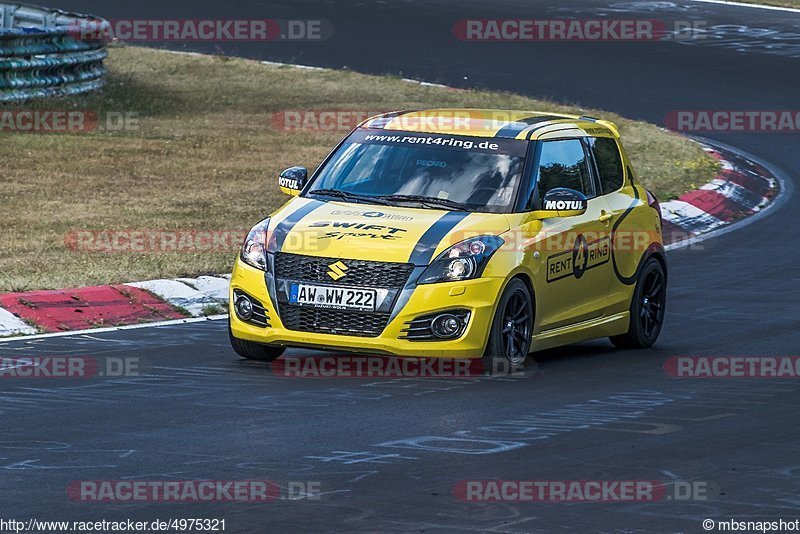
{"x": 426, "y": 246}
{"x": 286, "y": 225}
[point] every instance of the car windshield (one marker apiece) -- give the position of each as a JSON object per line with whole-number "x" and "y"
{"x": 424, "y": 170}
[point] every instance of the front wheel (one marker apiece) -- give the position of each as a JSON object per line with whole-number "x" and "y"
{"x": 512, "y": 328}
{"x": 254, "y": 351}
{"x": 647, "y": 308}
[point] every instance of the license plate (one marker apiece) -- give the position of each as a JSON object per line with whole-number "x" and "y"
{"x": 339, "y": 298}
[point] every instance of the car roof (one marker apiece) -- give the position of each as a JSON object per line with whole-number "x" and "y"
{"x": 508, "y": 124}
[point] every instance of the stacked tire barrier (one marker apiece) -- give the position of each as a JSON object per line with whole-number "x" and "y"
{"x": 49, "y": 53}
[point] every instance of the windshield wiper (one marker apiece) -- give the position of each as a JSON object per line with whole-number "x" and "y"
{"x": 344, "y": 195}
{"x": 428, "y": 201}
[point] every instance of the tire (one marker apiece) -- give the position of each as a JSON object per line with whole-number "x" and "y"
{"x": 255, "y": 351}
{"x": 512, "y": 328}
{"x": 647, "y": 308}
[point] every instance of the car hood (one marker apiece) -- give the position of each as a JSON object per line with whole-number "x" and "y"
{"x": 372, "y": 232}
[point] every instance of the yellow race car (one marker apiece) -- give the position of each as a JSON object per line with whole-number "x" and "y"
{"x": 456, "y": 233}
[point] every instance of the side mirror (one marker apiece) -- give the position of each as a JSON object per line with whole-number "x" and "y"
{"x": 293, "y": 180}
{"x": 562, "y": 202}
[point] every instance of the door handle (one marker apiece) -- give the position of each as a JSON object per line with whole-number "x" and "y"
{"x": 605, "y": 217}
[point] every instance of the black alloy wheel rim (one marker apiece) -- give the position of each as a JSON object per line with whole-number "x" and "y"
{"x": 651, "y": 312}
{"x": 516, "y": 327}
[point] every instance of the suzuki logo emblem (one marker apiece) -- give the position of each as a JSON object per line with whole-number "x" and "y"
{"x": 337, "y": 270}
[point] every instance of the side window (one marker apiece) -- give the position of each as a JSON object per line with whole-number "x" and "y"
{"x": 609, "y": 163}
{"x": 564, "y": 164}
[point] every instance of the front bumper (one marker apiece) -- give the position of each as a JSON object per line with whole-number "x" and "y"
{"x": 478, "y": 296}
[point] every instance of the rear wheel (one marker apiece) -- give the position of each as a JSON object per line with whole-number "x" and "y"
{"x": 647, "y": 308}
{"x": 254, "y": 351}
{"x": 510, "y": 336}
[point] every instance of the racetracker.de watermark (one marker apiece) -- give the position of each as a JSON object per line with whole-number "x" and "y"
{"x": 34, "y": 367}
{"x": 344, "y": 120}
{"x": 202, "y": 30}
{"x": 728, "y": 120}
{"x": 322, "y": 233}
{"x": 145, "y": 241}
{"x": 67, "y": 121}
{"x": 174, "y": 491}
{"x": 319, "y": 120}
{"x": 575, "y": 491}
{"x": 587, "y": 30}
{"x": 547, "y": 241}
{"x": 733, "y": 367}
{"x": 376, "y": 366}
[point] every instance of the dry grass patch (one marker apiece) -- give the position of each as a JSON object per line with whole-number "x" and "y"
{"x": 205, "y": 156}
{"x": 779, "y": 3}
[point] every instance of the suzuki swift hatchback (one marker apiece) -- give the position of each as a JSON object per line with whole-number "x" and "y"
{"x": 456, "y": 233}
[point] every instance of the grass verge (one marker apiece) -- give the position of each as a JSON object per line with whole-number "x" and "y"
{"x": 204, "y": 156}
{"x": 777, "y": 3}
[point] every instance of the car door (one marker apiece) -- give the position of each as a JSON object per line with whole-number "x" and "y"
{"x": 631, "y": 236}
{"x": 575, "y": 251}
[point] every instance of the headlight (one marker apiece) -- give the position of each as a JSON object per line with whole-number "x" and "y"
{"x": 254, "y": 250}
{"x": 462, "y": 261}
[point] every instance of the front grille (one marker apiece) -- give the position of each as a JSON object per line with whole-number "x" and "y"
{"x": 321, "y": 321}
{"x": 360, "y": 273}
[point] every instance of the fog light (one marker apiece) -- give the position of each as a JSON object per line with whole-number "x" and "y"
{"x": 244, "y": 308}
{"x": 446, "y": 326}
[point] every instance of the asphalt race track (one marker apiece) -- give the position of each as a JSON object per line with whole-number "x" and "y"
{"x": 388, "y": 452}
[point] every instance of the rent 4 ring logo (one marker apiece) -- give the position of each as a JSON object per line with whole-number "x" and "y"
{"x": 584, "y": 255}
